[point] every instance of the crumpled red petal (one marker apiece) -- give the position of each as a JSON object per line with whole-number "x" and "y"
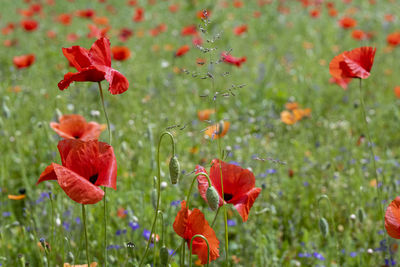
{"x": 77, "y": 56}
{"x": 392, "y": 218}
{"x": 100, "y": 53}
{"x": 91, "y": 74}
{"x": 76, "y": 187}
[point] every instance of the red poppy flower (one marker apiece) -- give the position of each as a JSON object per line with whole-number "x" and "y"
{"x": 393, "y": 38}
{"x": 125, "y": 34}
{"x": 120, "y": 53}
{"x": 29, "y": 25}
{"x": 75, "y": 127}
{"x": 356, "y": 63}
{"x": 85, "y": 167}
{"x": 189, "y": 223}
{"x": 93, "y": 66}
{"x": 85, "y": 13}
{"x": 347, "y": 22}
{"x": 239, "y": 30}
{"x": 24, "y": 61}
{"x": 139, "y": 15}
{"x": 189, "y": 30}
{"x": 182, "y": 50}
{"x": 392, "y": 218}
{"x": 238, "y": 184}
{"x": 232, "y": 60}
{"x": 65, "y": 19}
{"x": 8, "y": 29}
{"x": 359, "y": 35}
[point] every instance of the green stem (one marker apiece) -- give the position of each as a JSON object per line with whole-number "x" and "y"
{"x": 215, "y": 217}
{"x": 105, "y": 188}
{"x": 208, "y": 249}
{"x": 52, "y": 219}
{"x": 86, "y": 239}
{"x": 158, "y": 189}
{"x": 333, "y": 222}
{"x": 372, "y": 154}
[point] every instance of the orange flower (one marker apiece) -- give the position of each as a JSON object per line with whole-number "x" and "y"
{"x": 347, "y": 22}
{"x": 120, "y": 53}
{"x": 288, "y": 118}
{"x": 217, "y": 130}
{"x": 356, "y": 63}
{"x": 359, "y": 35}
{"x": 239, "y": 30}
{"x": 189, "y": 223}
{"x": 291, "y": 105}
{"x": 93, "y": 264}
{"x": 205, "y": 114}
{"x": 75, "y": 127}
{"x": 23, "y": 61}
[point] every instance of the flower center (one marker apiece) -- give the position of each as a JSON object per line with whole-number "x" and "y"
{"x": 227, "y": 197}
{"x": 93, "y": 178}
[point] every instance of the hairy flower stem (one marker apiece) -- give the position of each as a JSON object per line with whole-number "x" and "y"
{"x": 86, "y": 239}
{"x": 191, "y": 185}
{"x": 372, "y": 155}
{"x": 158, "y": 189}
{"x": 105, "y": 188}
{"x": 208, "y": 249}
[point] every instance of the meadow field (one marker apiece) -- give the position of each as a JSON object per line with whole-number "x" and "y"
{"x": 309, "y": 161}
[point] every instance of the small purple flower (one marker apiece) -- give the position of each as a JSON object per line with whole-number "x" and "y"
{"x": 271, "y": 171}
{"x": 171, "y": 252}
{"x": 304, "y": 255}
{"x": 318, "y": 256}
{"x": 146, "y": 234}
{"x": 353, "y": 254}
{"x": 175, "y": 203}
{"x": 6, "y": 214}
{"x": 134, "y": 225}
{"x": 66, "y": 225}
{"x": 231, "y": 222}
{"x": 78, "y": 220}
{"x": 306, "y": 184}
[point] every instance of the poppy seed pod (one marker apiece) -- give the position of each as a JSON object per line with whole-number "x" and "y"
{"x": 174, "y": 169}
{"x": 324, "y": 227}
{"x": 212, "y": 198}
{"x": 164, "y": 256}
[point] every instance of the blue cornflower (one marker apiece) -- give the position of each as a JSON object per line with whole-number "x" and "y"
{"x": 134, "y": 225}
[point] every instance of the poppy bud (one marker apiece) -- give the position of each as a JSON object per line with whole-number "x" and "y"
{"x": 324, "y": 227}
{"x": 212, "y": 197}
{"x": 361, "y": 214}
{"x": 164, "y": 256}
{"x": 174, "y": 169}
{"x": 154, "y": 198}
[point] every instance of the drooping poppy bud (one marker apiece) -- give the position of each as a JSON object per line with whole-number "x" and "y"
{"x": 212, "y": 198}
{"x": 324, "y": 226}
{"x": 361, "y": 214}
{"x": 174, "y": 169}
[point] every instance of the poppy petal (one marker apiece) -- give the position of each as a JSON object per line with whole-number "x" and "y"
{"x": 202, "y": 184}
{"x": 83, "y": 158}
{"x": 244, "y": 204}
{"x": 56, "y": 127}
{"x": 100, "y": 53}
{"x": 47, "y": 175}
{"x": 107, "y": 166}
{"x": 360, "y": 61}
{"x": 90, "y": 74}
{"x": 92, "y": 131}
{"x": 118, "y": 82}
{"x": 65, "y": 147}
{"x": 77, "y": 56}
{"x": 181, "y": 218}
{"x": 392, "y": 218}
{"x": 76, "y": 187}
{"x": 199, "y": 225}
